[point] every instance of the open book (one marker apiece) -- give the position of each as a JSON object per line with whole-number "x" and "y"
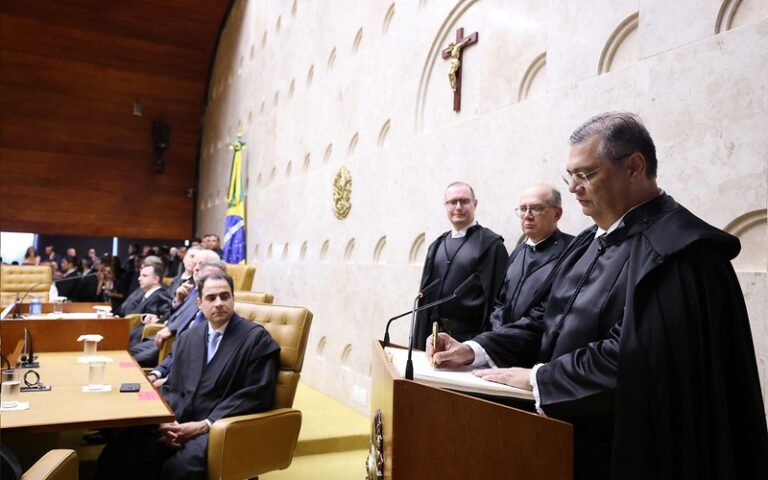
{"x": 459, "y": 379}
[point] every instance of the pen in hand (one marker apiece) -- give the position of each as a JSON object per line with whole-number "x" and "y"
{"x": 434, "y": 342}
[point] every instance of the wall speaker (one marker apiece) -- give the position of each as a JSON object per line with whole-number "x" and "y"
{"x": 161, "y": 140}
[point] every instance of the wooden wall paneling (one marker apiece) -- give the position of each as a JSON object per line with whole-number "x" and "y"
{"x": 73, "y": 160}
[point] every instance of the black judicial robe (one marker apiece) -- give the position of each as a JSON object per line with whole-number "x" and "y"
{"x": 483, "y": 252}
{"x": 527, "y": 272}
{"x": 661, "y": 346}
{"x": 240, "y": 379}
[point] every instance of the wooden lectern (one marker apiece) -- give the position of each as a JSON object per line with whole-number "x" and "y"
{"x": 436, "y": 433}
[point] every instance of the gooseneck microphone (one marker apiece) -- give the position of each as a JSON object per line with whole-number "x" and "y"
{"x": 418, "y": 297}
{"x": 470, "y": 282}
{"x": 17, "y": 311}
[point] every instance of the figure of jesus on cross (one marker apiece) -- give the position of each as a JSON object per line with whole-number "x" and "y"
{"x": 454, "y": 52}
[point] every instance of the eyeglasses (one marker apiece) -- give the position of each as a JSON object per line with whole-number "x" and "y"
{"x": 581, "y": 178}
{"x": 458, "y": 201}
{"x": 535, "y": 210}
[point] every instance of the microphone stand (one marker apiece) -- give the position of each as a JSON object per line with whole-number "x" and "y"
{"x": 409, "y": 363}
{"x": 461, "y": 290}
{"x": 418, "y": 297}
{"x": 17, "y": 312}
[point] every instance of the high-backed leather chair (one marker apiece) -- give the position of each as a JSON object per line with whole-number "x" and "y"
{"x": 152, "y": 329}
{"x": 54, "y": 465}
{"x": 242, "y": 275}
{"x": 249, "y": 445}
{"x": 17, "y": 279}
{"x": 253, "y": 297}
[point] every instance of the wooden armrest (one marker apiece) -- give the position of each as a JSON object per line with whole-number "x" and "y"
{"x": 151, "y": 329}
{"x": 249, "y": 445}
{"x": 54, "y": 465}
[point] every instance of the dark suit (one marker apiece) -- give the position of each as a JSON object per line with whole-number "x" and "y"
{"x": 146, "y": 352}
{"x": 89, "y": 283}
{"x": 175, "y": 283}
{"x": 158, "y": 303}
{"x": 68, "y": 285}
{"x": 240, "y": 379}
{"x": 131, "y": 302}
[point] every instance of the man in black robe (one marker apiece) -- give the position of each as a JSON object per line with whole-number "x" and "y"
{"x": 231, "y": 367}
{"x": 642, "y": 339}
{"x": 531, "y": 262}
{"x": 466, "y": 249}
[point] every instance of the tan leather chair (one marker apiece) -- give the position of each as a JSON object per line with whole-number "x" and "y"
{"x": 240, "y": 296}
{"x": 54, "y": 465}
{"x": 249, "y": 445}
{"x": 151, "y": 330}
{"x": 242, "y": 275}
{"x": 17, "y": 279}
{"x": 253, "y": 297}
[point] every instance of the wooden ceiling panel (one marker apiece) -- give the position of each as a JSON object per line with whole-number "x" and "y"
{"x": 73, "y": 159}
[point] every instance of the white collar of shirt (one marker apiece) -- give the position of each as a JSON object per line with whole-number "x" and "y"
{"x": 221, "y": 329}
{"x": 463, "y": 232}
{"x": 69, "y": 271}
{"x": 620, "y": 222}
{"x": 533, "y": 244}
{"x": 150, "y": 292}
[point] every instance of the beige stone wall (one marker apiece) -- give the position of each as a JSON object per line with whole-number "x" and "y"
{"x": 322, "y": 84}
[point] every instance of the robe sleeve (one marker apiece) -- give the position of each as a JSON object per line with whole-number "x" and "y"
{"x": 258, "y": 383}
{"x": 515, "y": 344}
{"x": 582, "y": 382}
{"x": 688, "y": 376}
{"x": 501, "y": 259}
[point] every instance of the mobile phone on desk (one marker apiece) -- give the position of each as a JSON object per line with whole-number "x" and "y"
{"x": 129, "y": 387}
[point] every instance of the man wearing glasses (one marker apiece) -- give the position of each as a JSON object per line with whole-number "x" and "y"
{"x": 531, "y": 262}
{"x": 452, "y": 258}
{"x": 642, "y": 339}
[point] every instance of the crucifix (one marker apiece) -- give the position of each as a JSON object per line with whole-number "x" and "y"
{"x": 454, "y": 52}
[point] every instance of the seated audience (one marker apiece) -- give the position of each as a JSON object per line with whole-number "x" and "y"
{"x": 52, "y": 256}
{"x": 186, "y": 275}
{"x": 133, "y": 299}
{"x": 31, "y": 257}
{"x": 154, "y": 300}
{"x": 86, "y": 292}
{"x": 105, "y": 288}
{"x": 211, "y": 241}
{"x": 70, "y": 280}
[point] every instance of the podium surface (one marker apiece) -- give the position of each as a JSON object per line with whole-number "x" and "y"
{"x": 430, "y": 432}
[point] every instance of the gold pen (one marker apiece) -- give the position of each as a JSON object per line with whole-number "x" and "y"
{"x": 434, "y": 342}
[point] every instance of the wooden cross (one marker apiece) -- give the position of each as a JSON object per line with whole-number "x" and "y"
{"x": 454, "y": 51}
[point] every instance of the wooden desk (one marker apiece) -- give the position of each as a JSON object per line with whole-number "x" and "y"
{"x": 67, "y": 407}
{"x": 69, "y": 307}
{"x": 60, "y": 334}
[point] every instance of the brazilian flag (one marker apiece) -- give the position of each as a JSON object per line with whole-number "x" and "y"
{"x": 234, "y": 231}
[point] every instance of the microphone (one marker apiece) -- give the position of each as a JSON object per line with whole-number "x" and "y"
{"x": 470, "y": 282}
{"x": 17, "y": 312}
{"x": 418, "y": 297}
{"x": 28, "y": 357}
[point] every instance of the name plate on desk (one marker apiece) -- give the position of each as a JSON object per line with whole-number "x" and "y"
{"x": 459, "y": 379}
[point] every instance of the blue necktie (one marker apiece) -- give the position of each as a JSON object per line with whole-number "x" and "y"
{"x": 199, "y": 318}
{"x": 212, "y": 345}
